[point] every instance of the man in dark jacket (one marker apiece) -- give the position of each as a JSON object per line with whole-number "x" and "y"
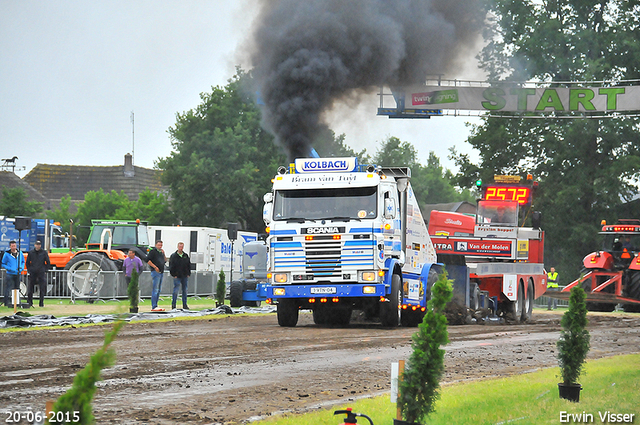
{"x": 37, "y": 265}
{"x": 180, "y": 270}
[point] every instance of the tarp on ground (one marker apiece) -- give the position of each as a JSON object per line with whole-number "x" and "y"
{"x": 23, "y": 321}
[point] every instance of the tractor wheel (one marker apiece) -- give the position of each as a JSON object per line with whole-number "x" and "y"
{"x": 390, "y": 311}
{"x": 528, "y": 303}
{"x": 83, "y": 277}
{"x": 633, "y": 291}
{"x": 514, "y": 308}
{"x": 235, "y": 294}
{"x": 287, "y": 313}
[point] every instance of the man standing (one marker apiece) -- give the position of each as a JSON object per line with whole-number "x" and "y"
{"x": 156, "y": 259}
{"x": 552, "y": 285}
{"x": 180, "y": 269}
{"x": 130, "y": 263}
{"x": 37, "y": 265}
{"x": 13, "y": 263}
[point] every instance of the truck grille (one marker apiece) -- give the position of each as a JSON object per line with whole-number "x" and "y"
{"x": 323, "y": 257}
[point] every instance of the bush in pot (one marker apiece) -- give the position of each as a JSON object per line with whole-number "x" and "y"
{"x": 573, "y": 345}
{"x": 221, "y": 289}
{"x": 133, "y": 292}
{"x": 418, "y": 390}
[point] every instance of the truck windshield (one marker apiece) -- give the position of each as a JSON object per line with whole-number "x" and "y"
{"x": 501, "y": 213}
{"x": 337, "y": 203}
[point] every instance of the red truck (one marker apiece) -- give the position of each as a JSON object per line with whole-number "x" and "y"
{"x": 500, "y": 258}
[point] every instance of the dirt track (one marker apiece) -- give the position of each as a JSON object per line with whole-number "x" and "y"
{"x": 237, "y": 368}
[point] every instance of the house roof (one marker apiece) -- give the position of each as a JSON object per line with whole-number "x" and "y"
{"x": 11, "y": 181}
{"x": 55, "y": 181}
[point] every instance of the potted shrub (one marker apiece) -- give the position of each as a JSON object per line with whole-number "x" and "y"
{"x": 133, "y": 292}
{"x": 221, "y": 289}
{"x": 573, "y": 345}
{"x": 418, "y": 389}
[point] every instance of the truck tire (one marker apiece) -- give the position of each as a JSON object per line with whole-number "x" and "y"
{"x": 528, "y": 303}
{"x": 235, "y": 294}
{"x": 339, "y": 316}
{"x": 514, "y": 308}
{"x": 474, "y": 296}
{"x": 390, "y": 311}
{"x": 320, "y": 316}
{"x": 287, "y": 313}
{"x": 632, "y": 291}
{"x": 83, "y": 277}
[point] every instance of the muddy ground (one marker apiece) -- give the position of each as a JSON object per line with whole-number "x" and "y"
{"x": 239, "y": 368}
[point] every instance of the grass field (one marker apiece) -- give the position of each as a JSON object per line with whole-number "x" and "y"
{"x": 609, "y": 385}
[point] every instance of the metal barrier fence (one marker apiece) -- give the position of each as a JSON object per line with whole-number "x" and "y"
{"x": 110, "y": 285}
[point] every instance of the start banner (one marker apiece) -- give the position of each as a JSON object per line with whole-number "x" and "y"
{"x": 517, "y": 99}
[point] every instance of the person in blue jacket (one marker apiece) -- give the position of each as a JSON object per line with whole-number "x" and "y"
{"x": 13, "y": 263}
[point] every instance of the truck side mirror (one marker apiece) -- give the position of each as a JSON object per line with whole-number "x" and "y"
{"x": 389, "y": 208}
{"x": 266, "y": 213}
{"x": 536, "y": 218}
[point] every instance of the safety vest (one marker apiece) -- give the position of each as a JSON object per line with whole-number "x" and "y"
{"x": 553, "y": 280}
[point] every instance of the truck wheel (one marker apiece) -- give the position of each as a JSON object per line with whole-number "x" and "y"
{"x": 514, "y": 308}
{"x": 390, "y": 311}
{"x": 320, "y": 316}
{"x": 474, "y": 296}
{"x": 633, "y": 291}
{"x": 235, "y": 294}
{"x": 528, "y": 303}
{"x": 411, "y": 318}
{"x": 287, "y": 313}
{"x": 83, "y": 277}
{"x": 339, "y": 316}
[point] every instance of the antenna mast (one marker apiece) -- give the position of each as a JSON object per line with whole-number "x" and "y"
{"x": 133, "y": 140}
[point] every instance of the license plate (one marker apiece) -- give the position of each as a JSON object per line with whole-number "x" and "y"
{"x": 323, "y": 290}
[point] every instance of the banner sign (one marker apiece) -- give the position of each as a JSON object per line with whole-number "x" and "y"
{"x": 474, "y": 247}
{"x": 558, "y": 100}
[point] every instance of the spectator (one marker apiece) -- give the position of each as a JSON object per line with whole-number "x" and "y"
{"x": 130, "y": 263}
{"x": 13, "y": 263}
{"x": 156, "y": 259}
{"x": 180, "y": 269}
{"x": 37, "y": 265}
{"x": 552, "y": 286}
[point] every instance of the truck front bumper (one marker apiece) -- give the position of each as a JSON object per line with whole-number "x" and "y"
{"x": 327, "y": 290}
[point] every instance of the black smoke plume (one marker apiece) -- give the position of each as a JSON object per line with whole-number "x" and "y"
{"x": 309, "y": 53}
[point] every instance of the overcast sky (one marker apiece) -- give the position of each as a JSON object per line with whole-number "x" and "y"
{"x": 72, "y": 71}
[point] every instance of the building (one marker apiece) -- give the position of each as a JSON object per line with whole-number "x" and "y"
{"x": 53, "y": 181}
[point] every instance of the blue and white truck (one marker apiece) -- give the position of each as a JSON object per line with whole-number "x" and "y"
{"x": 344, "y": 237}
{"x": 45, "y": 230}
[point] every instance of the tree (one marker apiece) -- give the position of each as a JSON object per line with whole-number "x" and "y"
{"x": 586, "y": 167}
{"x": 62, "y": 214}
{"x": 431, "y": 183}
{"x": 222, "y": 161}
{"x": 14, "y": 203}
{"x": 421, "y": 378}
{"x": 98, "y": 205}
{"x": 152, "y": 207}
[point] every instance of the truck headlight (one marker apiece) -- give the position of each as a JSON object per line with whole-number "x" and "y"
{"x": 278, "y": 292}
{"x": 368, "y": 289}
{"x": 369, "y": 276}
{"x": 280, "y": 277}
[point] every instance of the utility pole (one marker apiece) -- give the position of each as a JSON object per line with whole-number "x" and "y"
{"x": 133, "y": 140}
